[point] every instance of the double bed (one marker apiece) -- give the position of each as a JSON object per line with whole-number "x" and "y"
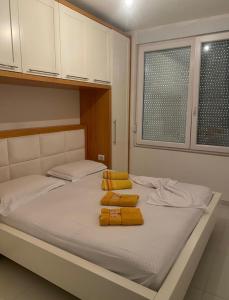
{"x": 57, "y": 235}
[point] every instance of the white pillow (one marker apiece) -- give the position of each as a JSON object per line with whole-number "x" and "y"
{"x": 76, "y": 170}
{"x": 17, "y": 192}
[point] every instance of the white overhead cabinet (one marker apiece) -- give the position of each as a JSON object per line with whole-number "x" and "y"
{"x": 120, "y": 100}
{"x": 43, "y": 37}
{"x": 39, "y": 32}
{"x": 10, "y": 59}
{"x": 73, "y": 30}
{"x": 99, "y": 52}
{"x": 85, "y": 48}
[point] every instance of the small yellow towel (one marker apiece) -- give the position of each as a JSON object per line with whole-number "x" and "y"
{"x": 114, "y": 175}
{"x": 115, "y": 199}
{"x": 109, "y": 185}
{"x": 110, "y": 217}
{"x": 121, "y": 216}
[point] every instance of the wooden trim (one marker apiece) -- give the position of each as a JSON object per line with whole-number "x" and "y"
{"x": 95, "y": 113}
{"x": 109, "y": 129}
{"x": 38, "y": 130}
{"x": 9, "y": 77}
{"x": 129, "y": 115}
{"x": 92, "y": 17}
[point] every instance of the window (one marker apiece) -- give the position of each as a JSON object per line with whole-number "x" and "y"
{"x": 183, "y": 94}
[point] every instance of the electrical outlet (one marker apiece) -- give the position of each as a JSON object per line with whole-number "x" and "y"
{"x": 101, "y": 157}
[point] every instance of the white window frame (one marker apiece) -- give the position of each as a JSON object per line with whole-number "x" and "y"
{"x": 188, "y": 42}
{"x": 193, "y": 94}
{"x": 196, "y": 88}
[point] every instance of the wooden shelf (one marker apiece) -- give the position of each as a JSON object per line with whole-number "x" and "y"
{"x": 8, "y": 77}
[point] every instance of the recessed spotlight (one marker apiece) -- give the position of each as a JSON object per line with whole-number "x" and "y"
{"x": 129, "y": 3}
{"x": 206, "y": 48}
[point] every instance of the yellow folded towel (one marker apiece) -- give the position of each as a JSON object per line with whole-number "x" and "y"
{"x": 115, "y": 199}
{"x": 122, "y": 216}
{"x": 109, "y": 185}
{"x": 113, "y": 175}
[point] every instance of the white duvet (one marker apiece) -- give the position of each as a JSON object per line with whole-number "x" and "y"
{"x": 68, "y": 218}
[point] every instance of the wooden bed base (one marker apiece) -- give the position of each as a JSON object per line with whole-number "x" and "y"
{"x": 91, "y": 282}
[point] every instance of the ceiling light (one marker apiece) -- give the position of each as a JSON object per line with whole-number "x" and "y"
{"x": 128, "y": 3}
{"x": 206, "y": 48}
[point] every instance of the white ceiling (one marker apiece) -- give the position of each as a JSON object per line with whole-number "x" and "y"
{"x": 149, "y": 13}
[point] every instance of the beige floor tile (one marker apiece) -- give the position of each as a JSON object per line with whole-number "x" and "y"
{"x": 224, "y": 242}
{"x": 207, "y": 296}
{"x": 17, "y": 283}
{"x": 13, "y": 279}
{"x": 223, "y": 212}
{"x": 44, "y": 290}
{"x": 193, "y": 294}
{"x": 217, "y": 235}
{"x": 200, "y": 277}
{"x": 218, "y": 281}
{"x": 40, "y": 289}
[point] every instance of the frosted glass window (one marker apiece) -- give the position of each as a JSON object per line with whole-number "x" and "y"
{"x": 213, "y": 113}
{"x": 165, "y": 94}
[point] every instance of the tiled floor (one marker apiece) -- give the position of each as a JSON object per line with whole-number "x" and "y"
{"x": 211, "y": 281}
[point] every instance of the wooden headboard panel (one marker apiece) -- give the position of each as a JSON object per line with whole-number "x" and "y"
{"x": 35, "y": 150}
{"x": 38, "y": 130}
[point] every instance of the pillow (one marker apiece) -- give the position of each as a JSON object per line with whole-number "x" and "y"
{"x": 76, "y": 170}
{"x": 17, "y": 192}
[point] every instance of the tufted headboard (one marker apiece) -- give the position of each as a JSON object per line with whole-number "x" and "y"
{"x": 34, "y": 151}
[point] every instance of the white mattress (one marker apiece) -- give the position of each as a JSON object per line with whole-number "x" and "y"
{"x": 68, "y": 218}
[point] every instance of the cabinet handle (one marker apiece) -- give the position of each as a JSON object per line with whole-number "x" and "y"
{"x": 77, "y": 77}
{"x": 102, "y": 81}
{"x": 8, "y": 66}
{"x": 115, "y": 132}
{"x": 43, "y": 72}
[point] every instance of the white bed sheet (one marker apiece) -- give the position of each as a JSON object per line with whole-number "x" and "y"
{"x": 68, "y": 218}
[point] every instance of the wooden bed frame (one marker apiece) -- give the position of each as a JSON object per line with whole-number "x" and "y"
{"x": 88, "y": 281}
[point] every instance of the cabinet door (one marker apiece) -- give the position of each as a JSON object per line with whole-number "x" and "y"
{"x": 39, "y": 31}
{"x": 98, "y": 52}
{"x": 120, "y": 101}
{"x": 73, "y": 44}
{"x": 9, "y": 36}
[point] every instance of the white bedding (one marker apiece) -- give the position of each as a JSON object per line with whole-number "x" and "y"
{"x": 68, "y": 218}
{"x": 168, "y": 192}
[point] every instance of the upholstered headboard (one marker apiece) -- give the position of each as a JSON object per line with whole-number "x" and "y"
{"x": 34, "y": 151}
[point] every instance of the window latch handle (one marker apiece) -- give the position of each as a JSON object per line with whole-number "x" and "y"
{"x": 195, "y": 111}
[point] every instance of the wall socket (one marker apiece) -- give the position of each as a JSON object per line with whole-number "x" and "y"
{"x": 101, "y": 157}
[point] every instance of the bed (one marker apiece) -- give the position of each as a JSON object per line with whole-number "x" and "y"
{"x": 80, "y": 254}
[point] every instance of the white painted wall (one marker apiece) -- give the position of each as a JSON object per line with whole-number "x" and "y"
{"x": 209, "y": 170}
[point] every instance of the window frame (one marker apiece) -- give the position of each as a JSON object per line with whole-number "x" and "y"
{"x": 187, "y": 42}
{"x": 193, "y": 94}
{"x": 196, "y": 89}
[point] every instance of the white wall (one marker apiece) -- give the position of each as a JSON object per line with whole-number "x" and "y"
{"x": 26, "y": 106}
{"x": 195, "y": 168}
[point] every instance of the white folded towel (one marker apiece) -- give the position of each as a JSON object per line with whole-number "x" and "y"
{"x": 168, "y": 192}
